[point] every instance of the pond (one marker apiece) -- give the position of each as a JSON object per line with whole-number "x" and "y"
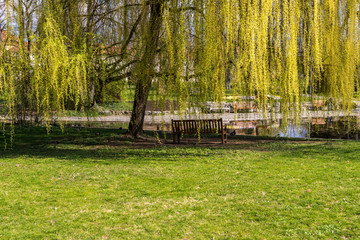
{"x": 331, "y": 127}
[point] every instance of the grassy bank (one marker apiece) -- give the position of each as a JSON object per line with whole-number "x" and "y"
{"x": 99, "y": 184}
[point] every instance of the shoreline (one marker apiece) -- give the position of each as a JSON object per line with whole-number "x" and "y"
{"x": 227, "y": 117}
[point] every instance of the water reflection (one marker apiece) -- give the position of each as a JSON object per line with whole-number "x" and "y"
{"x": 294, "y": 131}
{"x": 341, "y": 127}
{"x": 331, "y": 127}
{"x": 268, "y": 128}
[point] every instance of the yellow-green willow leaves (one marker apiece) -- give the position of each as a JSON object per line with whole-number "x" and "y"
{"x": 41, "y": 82}
{"x": 291, "y": 49}
{"x": 58, "y": 75}
{"x": 278, "y": 52}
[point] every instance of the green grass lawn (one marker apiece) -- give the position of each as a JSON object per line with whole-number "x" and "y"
{"x": 82, "y": 185}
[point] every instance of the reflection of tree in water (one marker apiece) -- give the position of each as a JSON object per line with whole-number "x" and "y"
{"x": 336, "y": 127}
{"x": 294, "y": 131}
{"x": 331, "y": 127}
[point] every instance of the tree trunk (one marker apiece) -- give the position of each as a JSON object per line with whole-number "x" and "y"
{"x": 99, "y": 92}
{"x": 145, "y": 68}
{"x": 138, "y": 112}
{"x": 228, "y": 79}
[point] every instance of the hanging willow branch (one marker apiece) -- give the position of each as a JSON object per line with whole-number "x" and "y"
{"x": 296, "y": 50}
{"x": 187, "y": 51}
{"x": 41, "y": 80}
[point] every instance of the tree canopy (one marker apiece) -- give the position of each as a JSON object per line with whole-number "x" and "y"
{"x": 59, "y": 54}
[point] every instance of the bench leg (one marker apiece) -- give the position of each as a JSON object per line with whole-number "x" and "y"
{"x": 178, "y": 137}
{"x": 224, "y": 138}
{"x": 174, "y": 137}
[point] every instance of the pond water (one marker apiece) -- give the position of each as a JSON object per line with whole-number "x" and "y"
{"x": 331, "y": 127}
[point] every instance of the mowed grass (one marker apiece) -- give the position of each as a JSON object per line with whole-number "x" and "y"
{"x": 99, "y": 184}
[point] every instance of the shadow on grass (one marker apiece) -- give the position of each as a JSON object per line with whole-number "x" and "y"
{"x": 90, "y": 144}
{"x": 113, "y": 145}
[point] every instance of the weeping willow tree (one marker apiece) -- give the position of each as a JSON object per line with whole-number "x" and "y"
{"x": 187, "y": 50}
{"x": 294, "y": 50}
{"x": 39, "y": 75}
{"x": 49, "y": 71}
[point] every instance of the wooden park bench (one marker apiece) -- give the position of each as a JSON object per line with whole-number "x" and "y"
{"x": 209, "y": 126}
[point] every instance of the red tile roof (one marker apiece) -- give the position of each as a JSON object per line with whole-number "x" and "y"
{"x": 2, "y": 35}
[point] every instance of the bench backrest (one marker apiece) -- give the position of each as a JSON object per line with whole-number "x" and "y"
{"x": 197, "y": 126}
